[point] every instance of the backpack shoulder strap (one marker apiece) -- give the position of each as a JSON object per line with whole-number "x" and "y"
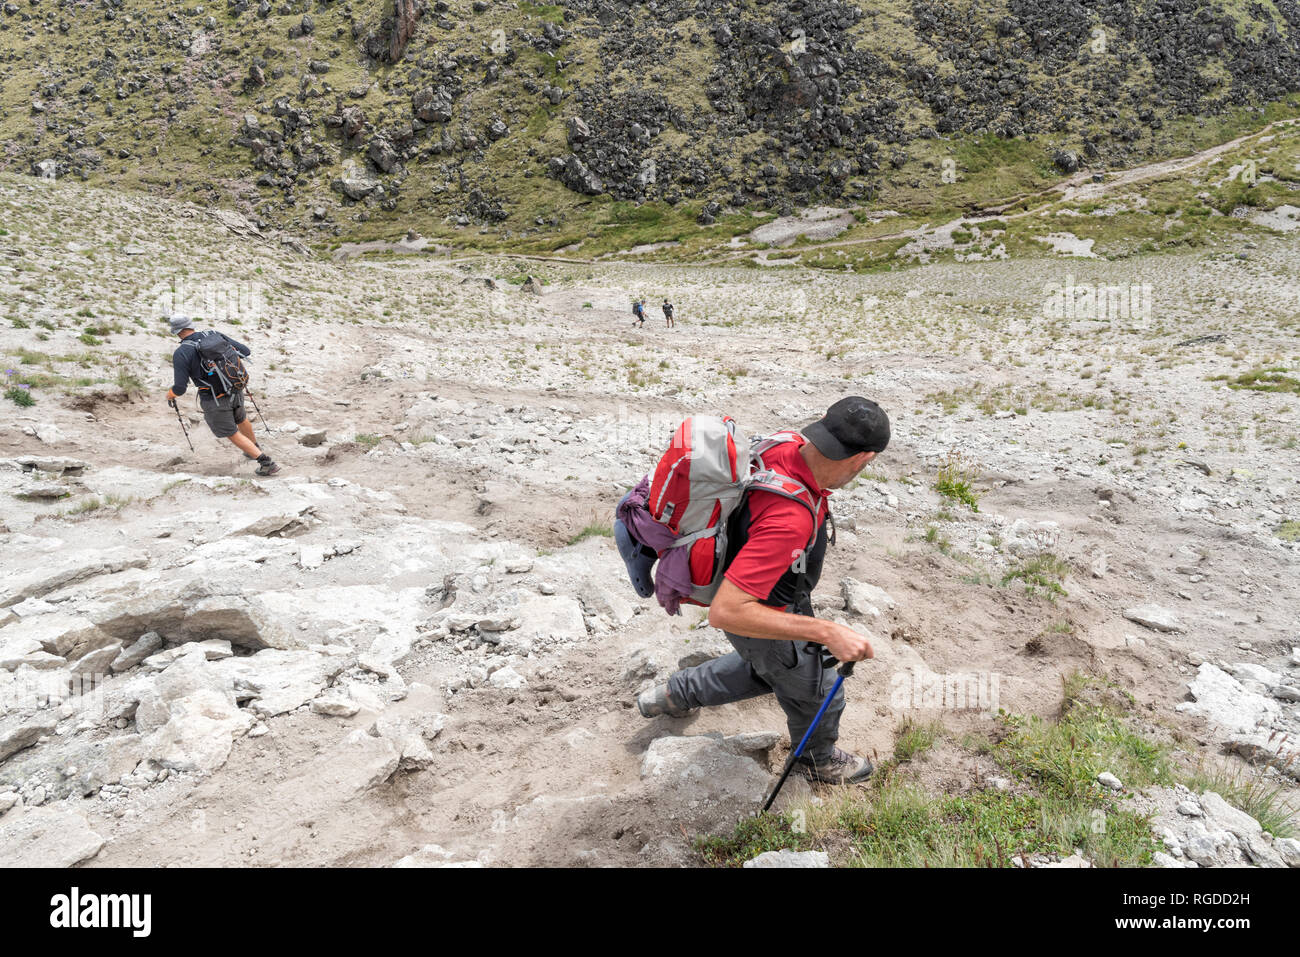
{"x": 778, "y": 484}
{"x": 769, "y": 480}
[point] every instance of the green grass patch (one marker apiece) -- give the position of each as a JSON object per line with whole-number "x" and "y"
{"x": 754, "y": 836}
{"x": 936, "y": 538}
{"x": 1262, "y": 380}
{"x": 1045, "y": 573}
{"x": 1056, "y": 806}
{"x": 906, "y": 827}
{"x": 1064, "y": 758}
{"x": 20, "y": 395}
{"x": 129, "y": 381}
{"x": 87, "y": 505}
{"x": 956, "y": 480}
{"x": 1270, "y": 804}
{"x": 546, "y": 11}
{"x": 29, "y": 357}
{"x": 914, "y": 739}
{"x": 595, "y": 528}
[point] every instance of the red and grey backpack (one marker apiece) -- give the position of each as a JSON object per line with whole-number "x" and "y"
{"x": 701, "y": 481}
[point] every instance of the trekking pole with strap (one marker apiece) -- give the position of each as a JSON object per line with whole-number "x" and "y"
{"x": 177, "y": 410}
{"x": 249, "y": 393}
{"x": 845, "y": 670}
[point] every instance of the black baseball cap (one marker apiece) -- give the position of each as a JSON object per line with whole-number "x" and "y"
{"x": 850, "y": 426}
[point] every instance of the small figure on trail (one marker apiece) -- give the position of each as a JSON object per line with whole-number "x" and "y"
{"x": 212, "y": 361}
{"x": 638, "y": 310}
{"x": 668, "y": 313}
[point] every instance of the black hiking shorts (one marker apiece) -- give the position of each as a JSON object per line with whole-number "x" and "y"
{"x": 223, "y": 415}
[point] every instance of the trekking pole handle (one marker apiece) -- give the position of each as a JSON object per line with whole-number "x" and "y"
{"x": 846, "y": 669}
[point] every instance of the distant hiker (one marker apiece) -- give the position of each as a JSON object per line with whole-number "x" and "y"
{"x": 763, "y": 599}
{"x": 211, "y": 360}
{"x": 638, "y": 310}
{"x": 668, "y": 313}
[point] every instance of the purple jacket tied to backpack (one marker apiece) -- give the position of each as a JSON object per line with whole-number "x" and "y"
{"x": 672, "y": 577}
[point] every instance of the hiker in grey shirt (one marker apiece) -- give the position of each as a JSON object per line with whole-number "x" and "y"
{"x": 223, "y": 413}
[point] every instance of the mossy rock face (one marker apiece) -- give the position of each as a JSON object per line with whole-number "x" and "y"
{"x": 476, "y": 117}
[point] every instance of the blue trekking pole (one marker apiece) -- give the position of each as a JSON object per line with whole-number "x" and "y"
{"x": 845, "y": 670}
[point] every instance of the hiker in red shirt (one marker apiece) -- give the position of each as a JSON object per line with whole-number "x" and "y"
{"x": 764, "y": 605}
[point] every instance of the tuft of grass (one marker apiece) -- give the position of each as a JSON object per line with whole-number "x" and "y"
{"x": 545, "y": 11}
{"x": 1288, "y": 531}
{"x": 754, "y": 836}
{"x": 914, "y": 739}
{"x": 368, "y": 440}
{"x": 1267, "y": 803}
{"x": 20, "y": 395}
{"x": 1045, "y": 572}
{"x": 1262, "y": 380}
{"x": 129, "y": 382}
{"x": 936, "y": 538}
{"x": 592, "y": 529}
{"x": 114, "y": 502}
{"x": 956, "y": 480}
{"x": 1063, "y": 758}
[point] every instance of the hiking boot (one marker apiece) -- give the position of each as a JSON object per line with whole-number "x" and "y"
{"x": 655, "y": 701}
{"x": 842, "y": 768}
{"x": 266, "y": 467}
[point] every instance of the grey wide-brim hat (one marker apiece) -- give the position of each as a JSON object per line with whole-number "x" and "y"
{"x": 179, "y": 323}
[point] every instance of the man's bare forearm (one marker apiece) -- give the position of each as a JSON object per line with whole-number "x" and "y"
{"x": 756, "y": 620}
{"x": 740, "y": 613}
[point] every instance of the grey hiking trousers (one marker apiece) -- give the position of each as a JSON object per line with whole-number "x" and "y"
{"x": 791, "y": 670}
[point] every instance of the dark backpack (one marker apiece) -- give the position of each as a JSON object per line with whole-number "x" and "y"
{"x": 221, "y": 364}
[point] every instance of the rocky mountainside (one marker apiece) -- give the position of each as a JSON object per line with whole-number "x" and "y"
{"x": 325, "y": 116}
